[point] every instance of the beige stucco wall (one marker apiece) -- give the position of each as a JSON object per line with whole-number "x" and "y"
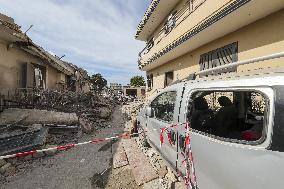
{"x": 51, "y": 80}
{"x": 10, "y": 69}
{"x": 140, "y": 94}
{"x": 262, "y": 37}
{"x": 10, "y": 63}
{"x": 187, "y": 21}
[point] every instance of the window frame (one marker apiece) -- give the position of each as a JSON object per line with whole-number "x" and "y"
{"x": 150, "y": 104}
{"x": 171, "y": 17}
{"x": 166, "y": 74}
{"x": 211, "y": 58}
{"x": 266, "y": 121}
{"x": 150, "y": 80}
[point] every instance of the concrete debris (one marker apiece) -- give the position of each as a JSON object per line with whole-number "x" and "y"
{"x": 10, "y": 171}
{"x": 61, "y": 129}
{"x": 38, "y": 155}
{"x": 19, "y": 140}
{"x": 5, "y": 167}
{"x": 2, "y": 162}
{"x": 154, "y": 184}
{"x": 140, "y": 166}
{"x": 119, "y": 155}
{"x": 69, "y": 101}
{"x": 166, "y": 178}
{"x": 50, "y": 152}
{"x": 86, "y": 125}
{"x": 32, "y": 116}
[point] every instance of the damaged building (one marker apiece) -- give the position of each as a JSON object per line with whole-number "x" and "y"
{"x": 25, "y": 66}
{"x": 138, "y": 92}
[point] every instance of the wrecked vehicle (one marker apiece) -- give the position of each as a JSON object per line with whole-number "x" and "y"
{"x": 235, "y": 128}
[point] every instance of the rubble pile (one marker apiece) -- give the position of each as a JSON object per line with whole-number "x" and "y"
{"x": 132, "y": 109}
{"x": 69, "y": 101}
{"x": 20, "y": 138}
{"x": 58, "y": 118}
{"x": 92, "y": 110}
{"x": 166, "y": 179}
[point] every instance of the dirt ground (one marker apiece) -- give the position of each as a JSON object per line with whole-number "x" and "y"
{"x": 86, "y": 167}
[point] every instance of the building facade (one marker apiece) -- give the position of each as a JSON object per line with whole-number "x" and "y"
{"x": 187, "y": 36}
{"x": 137, "y": 92}
{"x": 25, "y": 66}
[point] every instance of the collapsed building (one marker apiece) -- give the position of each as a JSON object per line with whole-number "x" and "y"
{"x": 44, "y": 101}
{"x": 25, "y": 66}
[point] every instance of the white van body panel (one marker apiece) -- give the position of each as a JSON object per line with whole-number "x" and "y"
{"x": 221, "y": 164}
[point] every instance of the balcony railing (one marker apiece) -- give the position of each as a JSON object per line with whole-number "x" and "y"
{"x": 186, "y": 10}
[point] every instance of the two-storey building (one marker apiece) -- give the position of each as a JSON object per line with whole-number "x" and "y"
{"x": 186, "y": 36}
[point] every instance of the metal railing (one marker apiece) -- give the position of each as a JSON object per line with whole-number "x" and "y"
{"x": 239, "y": 63}
{"x": 186, "y": 10}
{"x": 17, "y": 98}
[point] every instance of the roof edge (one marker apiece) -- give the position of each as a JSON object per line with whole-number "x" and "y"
{"x": 151, "y": 8}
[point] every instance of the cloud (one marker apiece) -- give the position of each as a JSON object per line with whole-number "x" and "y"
{"x": 97, "y": 35}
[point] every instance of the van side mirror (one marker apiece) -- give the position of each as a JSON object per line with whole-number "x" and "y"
{"x": 149, "y": 111}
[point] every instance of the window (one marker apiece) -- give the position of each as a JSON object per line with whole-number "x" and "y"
{"x": 218, "y": 57}
{"x": 230, "y": 115}
{"x": 163, "y": 106}
{"x": 171, "y": 22}
{"x": 169, "y": 77}
{"x": 149, "y": 45}
{"x": 150, "y": 81}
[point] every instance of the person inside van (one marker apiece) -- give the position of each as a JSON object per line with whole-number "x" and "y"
{"x": 226, "y": 119}
{"x": 201, "y": 118}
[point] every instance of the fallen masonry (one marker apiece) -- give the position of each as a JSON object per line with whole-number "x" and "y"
{"x": 65, "y": 127}
{"x": 119, "y": 155}
{"x": 140, "y": 165}
{"x": 61, "y": 129}
{"x": 20, "y": 140}
{"x": 58, "y": 118}
{"x": 166, "y": 178}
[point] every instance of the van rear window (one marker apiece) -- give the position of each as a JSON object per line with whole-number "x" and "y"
{"x": 231, "y": 115}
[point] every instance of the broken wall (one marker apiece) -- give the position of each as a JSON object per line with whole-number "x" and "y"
{"x": 53, "y": 79}
{"x": 12, "y": 64}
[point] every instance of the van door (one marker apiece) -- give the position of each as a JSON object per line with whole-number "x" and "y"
{"x": 164, "y": 113}
{"x": 239, "y": 158}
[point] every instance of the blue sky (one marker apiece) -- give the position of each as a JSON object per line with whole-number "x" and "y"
{"x": 97, "y": 35}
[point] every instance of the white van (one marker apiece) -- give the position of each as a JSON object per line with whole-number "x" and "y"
{"x": 236, "y": 128}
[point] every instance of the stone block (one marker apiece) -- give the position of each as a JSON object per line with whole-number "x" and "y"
{"x": 5, "y": 167}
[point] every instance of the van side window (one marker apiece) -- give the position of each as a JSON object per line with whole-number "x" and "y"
{"x": 238, "y": 115}
{"x": 163, "y": 106}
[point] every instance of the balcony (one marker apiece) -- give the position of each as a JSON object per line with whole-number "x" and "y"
{"x": 193, "y": 24}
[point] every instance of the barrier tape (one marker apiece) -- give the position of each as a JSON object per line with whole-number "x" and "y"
{"x": 190, "y": 169}
{"x": 162, "y": 130}
{"x": 190, "y": 176}
{"x": 67, "y": 146}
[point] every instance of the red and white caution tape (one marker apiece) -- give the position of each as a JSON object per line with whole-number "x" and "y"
{"x": 164, "y": 129}
{"x": 67, "y": 146}
{"x": 190, "y": 176}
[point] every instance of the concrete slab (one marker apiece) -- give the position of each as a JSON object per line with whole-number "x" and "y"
{"x": 119, "y": 155}
{"x": 31, "y": 116}
{"x": 141, "y": 168}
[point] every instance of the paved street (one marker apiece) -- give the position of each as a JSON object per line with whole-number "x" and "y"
{"x": 74, "y": 168}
